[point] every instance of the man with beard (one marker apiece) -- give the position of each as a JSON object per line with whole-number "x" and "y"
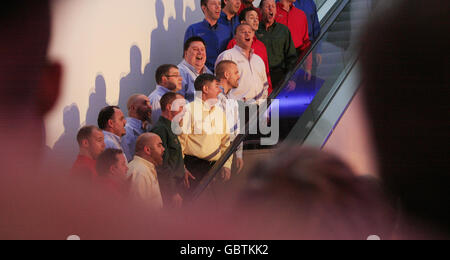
{"x": 142, "y": 171}
{"x": 139, "y": 111}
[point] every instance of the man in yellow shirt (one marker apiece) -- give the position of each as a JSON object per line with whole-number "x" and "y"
{"x": 205, "y": 136}
{"x": 142, "y": 171}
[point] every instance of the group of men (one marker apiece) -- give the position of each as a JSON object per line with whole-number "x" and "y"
{"x": 172, "y": 138}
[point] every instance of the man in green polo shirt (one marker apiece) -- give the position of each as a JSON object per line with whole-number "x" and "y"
{"x": 172, "y": 173}
{"x": 278, "y": 40}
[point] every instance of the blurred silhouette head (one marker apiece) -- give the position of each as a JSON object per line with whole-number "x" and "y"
{"x": 406, "y": 90}
{"x": 308, "y": 194}
{"x": 28, "y": 81}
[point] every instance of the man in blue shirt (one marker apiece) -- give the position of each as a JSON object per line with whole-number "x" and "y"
{"x": 192, "y": 66}
{"x": 215, "y": 34}
{"x": 169, "y": 79}
{"x": 229, "y": 16}
{"x": 310, "y": 9}
{"x": 139, "y": 111}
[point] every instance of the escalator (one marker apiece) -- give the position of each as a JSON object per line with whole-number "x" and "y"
{"x": 308, "y": 114}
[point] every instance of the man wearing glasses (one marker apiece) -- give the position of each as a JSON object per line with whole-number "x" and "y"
{"x": 169, "y": 79}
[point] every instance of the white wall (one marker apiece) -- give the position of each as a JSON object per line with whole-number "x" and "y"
{"x": 109, "y": 50}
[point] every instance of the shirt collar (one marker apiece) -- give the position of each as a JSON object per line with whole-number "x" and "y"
{"x": 150, "y": 165}
{"x": 205, "y": 106}
{"x": 262, "y": 27}
{"x": 280, "y": 6}
{"x": 111, "y": 135}
{"x": 191, "y": 68}
{"x": 161, "y": 89}
{"x": 242, "y": 51}
{"x": 165, "y": 121}
{"x": 134, "y": 123}
{"x": 206, "y": 23}
{"x": 224, "y": 16}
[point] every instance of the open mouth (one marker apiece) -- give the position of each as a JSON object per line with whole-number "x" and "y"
{"x": 271, "y": 15}
{"x": 248, "y": 39}
{"x": 199, "y": 58}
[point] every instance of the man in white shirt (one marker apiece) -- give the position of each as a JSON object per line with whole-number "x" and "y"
{"x": 227, "y": 73}
{"x": 139, "y": 111}
{"x": 142, "y": 171}
{"x": 253, "y": 83}
{"x": 169, "y": 79}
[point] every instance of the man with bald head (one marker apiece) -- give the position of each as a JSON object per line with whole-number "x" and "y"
{"x": 142, "y": 171}
{"x": 139, "y": 112}
{"x": 253, "y": 83}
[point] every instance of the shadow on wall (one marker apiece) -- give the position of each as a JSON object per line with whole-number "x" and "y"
{"x": 133, "y": 83}
{"x": 65, "y": 150}
{"x": 166, "y": 48}
{"x": 97, "y": 101}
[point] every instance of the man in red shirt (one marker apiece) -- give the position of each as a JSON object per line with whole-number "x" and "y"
{"x": 297, "y": 22}
{"x": 112, "y": 171}
{"x": 250, "y": 16}
{"x": 92, "y": 143}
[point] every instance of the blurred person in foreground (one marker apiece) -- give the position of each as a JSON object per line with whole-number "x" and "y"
{"x": 43, "y": 203}
{"x": 407, "y": 102}
{"x": 308, "y": 194}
